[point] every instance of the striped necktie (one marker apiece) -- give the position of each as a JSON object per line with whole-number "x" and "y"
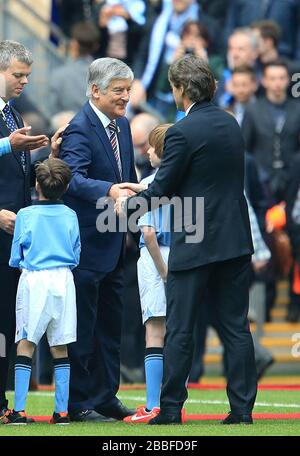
{"x": 114, "y": 144}
{"x": 12, "y": 126}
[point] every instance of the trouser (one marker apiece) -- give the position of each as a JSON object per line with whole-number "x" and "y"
{"x": 95, "y": 356}
{"x": 185, "y": 292}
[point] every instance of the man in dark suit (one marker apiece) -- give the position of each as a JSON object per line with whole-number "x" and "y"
{"x": 204, "y": 158}
{"x": 15, "y": 67}
{"x": 98, "y": 148}
{"x": 271, "y": 129}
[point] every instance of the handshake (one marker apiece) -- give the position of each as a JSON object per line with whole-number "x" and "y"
{"x": 120, "y": 193}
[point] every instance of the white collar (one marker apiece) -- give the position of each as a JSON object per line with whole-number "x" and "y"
{"x": 2, "y": 104}
{"x": 189, "y": 108}
{"x": 103, "y": 118}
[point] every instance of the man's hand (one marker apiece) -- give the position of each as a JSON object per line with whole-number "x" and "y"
{"x": 120, "y": 190}
{"x": 7, "y": 221}
{"x": 119, "y": 205}
{"x": 259, "y": 266}
{"x": 138, "y": 93}
{"x": 164, "y": 274}
{"x": 56, "y": 141}
{"x": 19, "y": 141}
{"x": 136, "y": 188}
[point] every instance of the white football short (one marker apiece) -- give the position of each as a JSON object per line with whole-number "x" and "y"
{"x": 151, "y": 285}
{"x": 46, "y": 303}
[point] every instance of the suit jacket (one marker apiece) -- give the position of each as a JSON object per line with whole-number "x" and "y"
{"x": 204, "y": 157}
{"x": 14, "y": 185}
{"x": 258, "y": 130}
{"x": 87, "y": 150}
{"x": 293, "y": 187}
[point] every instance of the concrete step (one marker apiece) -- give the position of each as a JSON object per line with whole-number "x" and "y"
{"x": 268, "y": 342}
{"x": 279, "y": 313}
{"x": 216, "y": 358}
{"x": 279, "y": 327}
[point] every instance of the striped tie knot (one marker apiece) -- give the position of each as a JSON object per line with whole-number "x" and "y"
{"x": 112, "y": 126}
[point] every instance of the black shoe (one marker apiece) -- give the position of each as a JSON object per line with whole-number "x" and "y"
{"x": 60, "y": 418}
{"x": 3, "y": 412}
{"x": 117, "y": 411}
{"x": 232, "y": 418}
{"x": 262, "y": 366}
{"x": 86, "y": 416}
{"x": 166, "y": 418}
{"x": 14, "y": 417}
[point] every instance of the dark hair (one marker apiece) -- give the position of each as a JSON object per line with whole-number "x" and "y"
{"x": 87, "y": 36}
{"x": 244, "y": 69}
{"x": 275, "y": 63}
{"x": 202, "y": 31}
{"x": 53, "y": 176}
{"x": 194, "y": 76}
{"x": 268, "y": 29}
{"x": 157, "y": 138}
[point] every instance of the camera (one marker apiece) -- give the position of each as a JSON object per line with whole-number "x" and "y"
{"x": 189, "y": 50}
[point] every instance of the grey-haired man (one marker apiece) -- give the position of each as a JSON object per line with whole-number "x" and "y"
{"x": 98, "y": 148}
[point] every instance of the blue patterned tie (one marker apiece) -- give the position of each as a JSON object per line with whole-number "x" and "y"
{"x": 114, "y": 144}
{"x": 12, "y": 126}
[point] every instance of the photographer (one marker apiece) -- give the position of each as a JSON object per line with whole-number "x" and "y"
{"x": 195, "y": 40}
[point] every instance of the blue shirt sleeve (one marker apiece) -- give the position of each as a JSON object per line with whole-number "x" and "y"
{"x": 16, "y": 255}
{"x": 76, "y": 242}
{"x": 147, "y": 220}
{"x": 5, "y": 147}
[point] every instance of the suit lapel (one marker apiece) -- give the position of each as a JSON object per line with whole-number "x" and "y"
{"x": 289, "y": 115}
{"x": 266, "y": 114}
{"x": 102, "y": 135}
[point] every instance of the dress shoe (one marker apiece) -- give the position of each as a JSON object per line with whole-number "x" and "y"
{"x": 86, "y": 416}
{"x": 167, "y": 418}
{"x": 233, "y": 418}
{"x": 262, "y": 366}
{"x": 117, "y": 411}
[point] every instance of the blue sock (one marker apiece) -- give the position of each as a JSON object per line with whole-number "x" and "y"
{"x": 154, "y": 362}
{"x": 22, "y": 378}
{"x": 62, "y": 381}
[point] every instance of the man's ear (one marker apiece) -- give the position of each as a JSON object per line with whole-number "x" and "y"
{"x": 95, "y": 91}
{"x": 37, "y": 186}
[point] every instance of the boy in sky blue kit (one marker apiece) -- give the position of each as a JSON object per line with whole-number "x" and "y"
{"x": 46, "y": 246}
{"x": 152, "y": 275}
